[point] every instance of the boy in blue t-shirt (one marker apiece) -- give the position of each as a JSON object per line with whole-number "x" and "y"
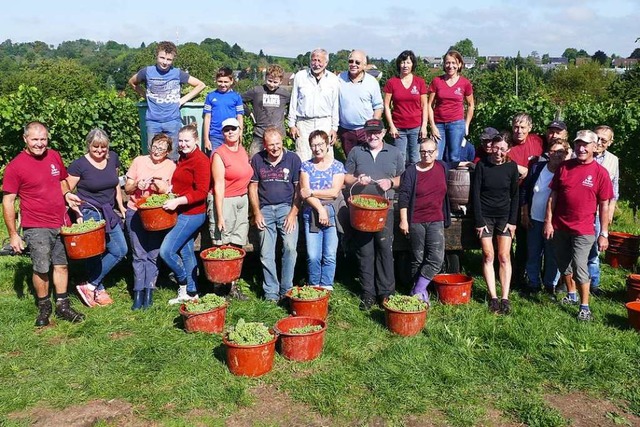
{"x": 221, "y": 104}
{"x": 162, "y": 91}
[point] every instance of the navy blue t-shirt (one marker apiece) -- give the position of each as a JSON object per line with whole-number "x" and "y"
{"x": 96, "y": 184}
{"x": 276, "y": 184}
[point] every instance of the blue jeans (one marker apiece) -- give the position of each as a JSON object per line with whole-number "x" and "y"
{"x": 177, "y": 249}
{"x": 451, "y": 135}
{"x": 321, "y": 249}
{"x": 145, "y": 247}
{"x": 594, "y": 259}
{"x": 537, "y": 248}
{"x": 274, "y": 216}
{"x": 171, "y": 128}
{"x": 99, "y": 266}
{"x": 407, "y": 142}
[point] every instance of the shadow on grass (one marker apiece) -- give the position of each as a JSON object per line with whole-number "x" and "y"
{"x": 178, "y": 323}
{"x": 616, "y": 321}
{"x": 377, "y": 315}
{"x": 219, "y": 352}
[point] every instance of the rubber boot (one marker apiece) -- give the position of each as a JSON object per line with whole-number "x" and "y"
{"x": 44, "y": 311}
{"x": 148, "y": 298}
{"x": 420, "y": 289}
{"x": 138, "y": 297}
{"x": 65, "y": 312}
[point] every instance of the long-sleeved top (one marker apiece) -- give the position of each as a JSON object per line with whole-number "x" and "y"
{"x": 495, "y": 192}
{"x": 314, "y": 99}
{"x": 611, "y": 164}
{"x": 192, "y": 179}
{"x": 407, "y": 192}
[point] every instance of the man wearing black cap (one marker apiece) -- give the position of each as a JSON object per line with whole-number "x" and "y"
{"x": 376, "y": 167}
{"x": 485, "y": 143}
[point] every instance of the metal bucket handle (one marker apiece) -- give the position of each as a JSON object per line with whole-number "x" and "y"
{"x": 364, "y": 185}
{"x": 64, "y": 217}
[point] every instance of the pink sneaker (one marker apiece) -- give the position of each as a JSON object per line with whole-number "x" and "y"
{"x": 86, "y": 292}
{"x": 102, "y": 298}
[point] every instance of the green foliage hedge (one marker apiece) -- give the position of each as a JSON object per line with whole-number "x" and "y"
{"x": 70, "y": 121}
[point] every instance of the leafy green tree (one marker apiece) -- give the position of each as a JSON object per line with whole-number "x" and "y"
{"x": 627, "y": 87}
{"x": 465, "y": 47}
{"x": 601, "y": 58}
{"x": 584, "y": 80}
{"x": 635, "y": 54}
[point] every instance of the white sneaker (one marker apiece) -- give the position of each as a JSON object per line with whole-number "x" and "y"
{"x": 182, "y": 296}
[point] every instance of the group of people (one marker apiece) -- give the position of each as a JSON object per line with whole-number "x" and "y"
{"x": 223, "y": 184}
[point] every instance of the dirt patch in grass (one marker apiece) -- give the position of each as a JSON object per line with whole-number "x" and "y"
{"x": 587, "y": 411}
{"x": 114, "y": 411}
{"x": 119, "y": 335}
{"x": 274, "y": 407}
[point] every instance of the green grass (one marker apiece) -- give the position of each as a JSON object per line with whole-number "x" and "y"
{"x": 465, "y": 365}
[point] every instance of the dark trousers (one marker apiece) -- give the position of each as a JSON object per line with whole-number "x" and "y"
{"x": 374, "y": 252}
{"x": 427, "y": 247}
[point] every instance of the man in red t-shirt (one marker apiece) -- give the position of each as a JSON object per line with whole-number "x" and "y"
{"x": 579, "y": 187}
{"x": 37, "y": 177}
{"x": 526, "y": 148}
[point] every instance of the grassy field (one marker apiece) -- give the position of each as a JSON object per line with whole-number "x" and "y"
{"x": 467, "y": 367}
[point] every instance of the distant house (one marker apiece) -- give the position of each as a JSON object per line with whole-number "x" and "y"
{"x": 494, "y": 60}
{"x": 582, "y": 60}
{"x": 469, "y": 61}
{"x": 625, "y": 63}
{"x": 558, "y": 60}
{"x": 432, "y": 61}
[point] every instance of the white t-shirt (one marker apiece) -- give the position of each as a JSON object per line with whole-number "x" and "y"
{"x": 541, "y": 193}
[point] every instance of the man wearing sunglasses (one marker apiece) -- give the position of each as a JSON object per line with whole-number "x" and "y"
{"x": 360, "y": 100}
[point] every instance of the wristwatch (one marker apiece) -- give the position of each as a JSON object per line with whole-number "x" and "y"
{"x": 604, "y": 234}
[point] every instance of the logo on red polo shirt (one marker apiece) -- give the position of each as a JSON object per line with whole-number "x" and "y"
{"x": 54, "y": 170}
{"x": 588, "y": 181}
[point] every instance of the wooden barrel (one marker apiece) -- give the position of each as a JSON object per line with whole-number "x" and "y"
{"x": 459, "y": 184}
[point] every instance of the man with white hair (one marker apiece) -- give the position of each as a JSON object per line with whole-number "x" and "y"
{"x": 579, "y": 187}
{"x": 314, "y": 103}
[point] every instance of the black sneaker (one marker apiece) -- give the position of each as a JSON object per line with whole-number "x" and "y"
{"x": 505, "y": 306}
{"x": 494, "y": 305}
{"x": 366, "y": 303}
{"x": 44, "y": 311}
{"x": 65, "y": 312}
{"x": 584, "y": 315}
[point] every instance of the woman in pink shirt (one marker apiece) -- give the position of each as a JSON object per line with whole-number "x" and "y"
{"x": 150, "y": 174}
{"x": 447, "y": 96}
{"x": 229, "y": 212}
{"x": 405, "y": 107}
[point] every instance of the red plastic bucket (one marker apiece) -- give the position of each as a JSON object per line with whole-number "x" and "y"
{"x": 368, "y": 219}
{"x": 250, "y": 360}
{"x": 453, "y": 288}
{"x": 316, "y": 307}
{"x": 633, "y": 311}
{"x": 222, "y": 270}
{"x": 211, "y": 322}
{"x": 85, "y": 245}
{"x": 620, "y": 258}
{"x": 300, "y": 347}
{"x": 633, "y": 287}
{"x": 156, "y": 218}
{"x": 405, "y": 323}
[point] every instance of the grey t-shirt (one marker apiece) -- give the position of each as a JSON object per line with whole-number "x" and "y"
{"x": 387, "y": 164}
{"x": 269, "y": 108}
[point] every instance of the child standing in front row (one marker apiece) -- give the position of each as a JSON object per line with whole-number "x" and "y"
{"x": 220, "y": 104}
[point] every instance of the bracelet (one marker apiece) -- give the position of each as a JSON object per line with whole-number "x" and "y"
{"x": 64, "y": 196}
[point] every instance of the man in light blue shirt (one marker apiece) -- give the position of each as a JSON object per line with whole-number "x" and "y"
{"x": 360, "y": 100}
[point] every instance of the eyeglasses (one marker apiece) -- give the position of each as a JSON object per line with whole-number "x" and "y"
{"x": 355, "y": 61}
{"x": 157, "y": 149}
{"x": 229, "y": 128}
{"x": 603, "y": 140}
{"x": 316, "y": 146}
{"x": 499, "y": 150}
{"x": 428, "y": 152}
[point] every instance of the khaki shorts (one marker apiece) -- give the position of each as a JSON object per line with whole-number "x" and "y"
{"x": 45, "y": 248}
{"x": 236, "y": 219}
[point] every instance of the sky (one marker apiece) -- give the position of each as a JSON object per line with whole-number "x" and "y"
{"x": 380, "y": 28}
